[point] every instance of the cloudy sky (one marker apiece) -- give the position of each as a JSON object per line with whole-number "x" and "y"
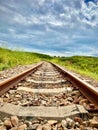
{"x": 56, "y": 27}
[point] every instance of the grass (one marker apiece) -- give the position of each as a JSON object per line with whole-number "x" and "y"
{"x": 10, "y": 58}
{"x": 84, "y": 65}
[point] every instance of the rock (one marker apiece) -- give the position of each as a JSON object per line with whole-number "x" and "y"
{"x": 64, "y": 123}
{"x": 18, "y": 103}
{"x": 14, "y": 120}
{"x": 5, "y": 99}
{"x": 82, "y": 127}
{"x": 54, "y": 99}
{"x": 69, "y": 90}
{"x": 83, "y": 101}
{"x": 95, "y": 118}
{"x": 22, "y": 127}
{"x": 94, "y": 122}
{"x": 55, "y": 127}
{"x": 39, "y": 127}
{"x": 59, "y": 124}
{"x": 95, "y": 129}
{"x": 21, "y": 123}
{"x": 45, "y": 121}
{"x": 14, "y": 128}
{"x": 90, "y": 128}
{"x": 76, "y": 101}
{"x": 46, "y": 127}
{"x": 76, "y": 92}
{"x": 17, "y": 96}
{"x": 28, "y": 123}
{"x": 52, "y": 122}
{"x": 78, "y": 119}
{"x": 86, "y": 123}
{"x": 70, "y": 123}
{"x": 1, "y": 123}
{"x": 77, "y": 124}
{"x": 25, "y": 103}
{"x": 19, "y": 84}
{"x": 1, "y": 100}
{"x": 7, "y": 95}
{"x": 77, "y": 129}
{"x": 3, "y": 128}
{"x": 62, "y": 104}
{"x": 33, "y": 127}
{"x": 80, "y": 98}
{"x": 8, "y": 123}
{"x": 70, "y": 99}
{"x": 43, "y": 102}
{"x": 11, "y": 91}
{"x": 36, "y": 121}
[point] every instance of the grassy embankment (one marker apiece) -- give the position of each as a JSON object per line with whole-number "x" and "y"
{"x": 10, "y": 58}
{"x": 84, "y": 65}
{"x": 87, "y": 66}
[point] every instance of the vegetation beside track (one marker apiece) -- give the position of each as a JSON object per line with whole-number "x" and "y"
{"x": 84, "y": 65}
{"x": 9, "y": 58}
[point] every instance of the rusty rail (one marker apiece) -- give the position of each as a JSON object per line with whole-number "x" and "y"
{"x": 7, "y": 84}
{"x": 86, "y": 89}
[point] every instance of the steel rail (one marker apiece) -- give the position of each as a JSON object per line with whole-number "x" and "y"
{"x": 89, "y": 91}
{"x": 7, "y": 84}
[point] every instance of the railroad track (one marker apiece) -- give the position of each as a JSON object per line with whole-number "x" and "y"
{"x": 47, "y": 91}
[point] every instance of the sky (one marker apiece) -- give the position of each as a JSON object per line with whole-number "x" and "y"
{"x": 54, "y": 27}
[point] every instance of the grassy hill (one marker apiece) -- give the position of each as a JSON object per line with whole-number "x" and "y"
{"x": 84, "y": 65}
{"x": 9, "y": 58}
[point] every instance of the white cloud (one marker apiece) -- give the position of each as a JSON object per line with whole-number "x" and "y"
{"x": 11, "y": 30}
{"x": 71, "y": 16}
{"x": 90, "y": 13}
{"x": 54, "y": 24}
{"x": 41, "y": 2}
{"x": 20, "y": 19}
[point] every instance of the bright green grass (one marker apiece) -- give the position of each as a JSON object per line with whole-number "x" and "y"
{"x": 84, "y": 65}
{"x": 10, "y": 58}
{"x": 87, "y": 66}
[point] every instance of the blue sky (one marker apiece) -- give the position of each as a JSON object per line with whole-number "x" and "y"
{"x": 55, "y": 27}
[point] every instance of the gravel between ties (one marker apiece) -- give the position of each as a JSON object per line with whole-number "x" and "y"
{"x": 14, "y": 123}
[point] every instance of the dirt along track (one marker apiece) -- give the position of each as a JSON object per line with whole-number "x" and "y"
{"x": 50, "y": 94}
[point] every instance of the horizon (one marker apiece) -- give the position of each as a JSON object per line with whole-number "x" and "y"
{"x": 58, "y": 56}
